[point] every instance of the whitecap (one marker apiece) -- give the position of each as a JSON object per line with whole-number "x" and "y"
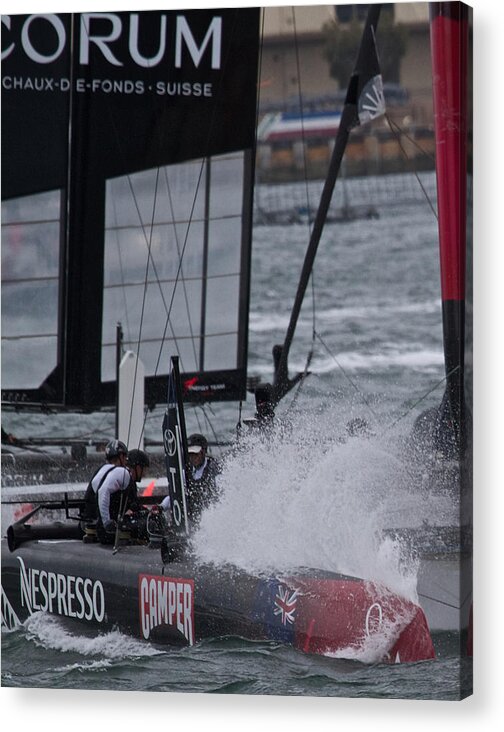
{"x": 48, "y": 631}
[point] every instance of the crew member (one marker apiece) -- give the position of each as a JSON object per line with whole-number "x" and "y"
{"x": 264, "y": 416}
{"x": 117, "y": 499}
{"x": 116, "y": 454}
{"x": 202, "y": 475}
{"x": 265, "y": 412}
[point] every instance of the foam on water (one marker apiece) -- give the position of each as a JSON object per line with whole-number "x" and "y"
{"x": 358, "y": 361}
{"x": 301, "y": 498}
{"x": 46, "y": 630}
{"x": 422, "y": 360}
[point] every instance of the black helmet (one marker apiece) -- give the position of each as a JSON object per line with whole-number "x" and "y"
{"x": 138, "y": 457}
{"x": 115, "y": 448}
{"x": 197, "y": 440}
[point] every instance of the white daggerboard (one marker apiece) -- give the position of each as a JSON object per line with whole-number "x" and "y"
{"x": 131, "y": 400}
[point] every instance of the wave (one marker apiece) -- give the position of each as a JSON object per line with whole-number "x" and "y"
{"x": 49, "y": 632}
{"x": 425, "y": 361}
{"x": 380, "y": 310}
{"x": 268, "y": 322}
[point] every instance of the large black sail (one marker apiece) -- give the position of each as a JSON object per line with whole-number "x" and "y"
{"x": 127, "y": 162}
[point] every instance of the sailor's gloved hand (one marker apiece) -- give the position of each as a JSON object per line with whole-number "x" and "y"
{"x": 110, "y": 526}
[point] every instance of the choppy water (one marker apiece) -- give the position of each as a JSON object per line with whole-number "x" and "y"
{"x": 59, "y": 660}
{"x": 304, "y": 498}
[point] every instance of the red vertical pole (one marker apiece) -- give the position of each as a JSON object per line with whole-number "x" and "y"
{"x": 449, "y": 47}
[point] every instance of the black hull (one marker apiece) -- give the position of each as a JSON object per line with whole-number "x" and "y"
{"x": 183, "y": 602}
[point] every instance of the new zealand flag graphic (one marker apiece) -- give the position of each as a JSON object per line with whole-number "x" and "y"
{"x": 276, "y": 607}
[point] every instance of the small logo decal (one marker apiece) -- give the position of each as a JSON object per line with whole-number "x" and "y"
{"x": 170, "y": 443}
{"x": 374, "y": 618}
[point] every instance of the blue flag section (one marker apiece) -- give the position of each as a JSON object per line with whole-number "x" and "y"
{"x": 175, "y": 449}
{"x": 275, "y": 605}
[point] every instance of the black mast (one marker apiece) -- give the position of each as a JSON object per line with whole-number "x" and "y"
{"x": 354, "y": 112}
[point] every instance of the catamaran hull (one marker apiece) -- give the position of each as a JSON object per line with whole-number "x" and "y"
{"x": 444, "y": 575}
{"x": 184, "y": 602}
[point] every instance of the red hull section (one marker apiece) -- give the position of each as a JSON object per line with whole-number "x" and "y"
{"x": 357, "y": 619}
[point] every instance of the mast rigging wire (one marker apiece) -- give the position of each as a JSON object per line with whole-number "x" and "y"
{"x": 345, "y": 374}
{"x": 305, "y": 172}
{"x": 149, "y": 258}
{"x": 408, "y": 411}
{"x": 395, "y": 129}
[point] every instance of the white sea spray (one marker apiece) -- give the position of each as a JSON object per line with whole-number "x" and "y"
{"x": 49, "y": 632}
{"x": 306, "y": 496}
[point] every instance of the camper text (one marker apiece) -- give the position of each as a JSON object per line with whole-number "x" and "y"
{"x": 166, "y": 601}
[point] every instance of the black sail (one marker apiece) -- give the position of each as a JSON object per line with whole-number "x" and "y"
{"x": 127, "y": 168}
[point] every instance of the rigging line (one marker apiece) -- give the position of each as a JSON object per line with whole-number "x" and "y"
{"x": 394, "y": 129}
{"x": 443, "y": 602}
{"x": 441, "y": 381}
{"x": 120, "y": 147}
{"x": 210, "y": 129}
{"x": 122, "y": 275}
{"x": 169, "y": 308}
{"x": 156, "y": 275}
{"x": 179, "y": 268}
{"x": 303, "y": 131}
{"x": 148, "y": 238}
{"x": 197, "y": 416}
{"x": 148, "y": 241}
{"x": 394, "y": 124}
{"x": 177, "y": 244}
{"x": 359, "y": 392}
{"x": 305, "y": 164}
{"x": 301, "y": 381}
{"x": 142, "y": 313}
{"x": 150, "y": 260}
{"x": 208, "y": 421}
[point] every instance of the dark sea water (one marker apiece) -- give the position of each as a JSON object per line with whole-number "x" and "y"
{"x": 375, "y": 310}
{"x": 60, "y": 660}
